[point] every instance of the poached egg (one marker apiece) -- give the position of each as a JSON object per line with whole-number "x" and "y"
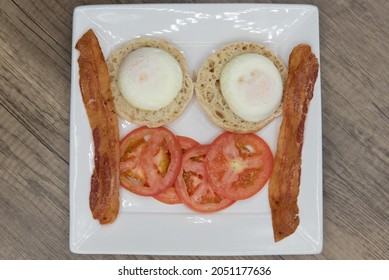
{"x": 149, "y": 78}
{"x": 252, "y": 86}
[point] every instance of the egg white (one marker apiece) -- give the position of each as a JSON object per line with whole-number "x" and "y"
{"x": 149, "y": 78}
{"x": 252, "y": 86}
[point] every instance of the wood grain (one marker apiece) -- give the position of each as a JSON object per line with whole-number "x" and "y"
{"x": 35, "y": 48}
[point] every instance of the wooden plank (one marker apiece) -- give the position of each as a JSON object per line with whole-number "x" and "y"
{"x": 34, "y": 195}
{"x": 35, "y": 82}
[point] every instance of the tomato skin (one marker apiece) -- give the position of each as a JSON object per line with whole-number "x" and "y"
{"x": 238, "y": 165}
{"x": 192, "y": 184}
{"x": 186, "y": 143}
{"x": 169, "y": 195}
{"x": 150, "y": 160}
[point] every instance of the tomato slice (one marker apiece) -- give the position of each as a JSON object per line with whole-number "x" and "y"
{"x": 170, "y": 196}
{"x": 192, "y": 185}
{"x": 150, "y": 160}
{"x": 238, "y": 165}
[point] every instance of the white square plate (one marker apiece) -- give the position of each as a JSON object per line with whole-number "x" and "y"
{"x": 146, "y": 226}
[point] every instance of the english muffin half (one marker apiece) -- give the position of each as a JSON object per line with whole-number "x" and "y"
{"x": 134, "y": 113}
{"x": 209, "y": 93}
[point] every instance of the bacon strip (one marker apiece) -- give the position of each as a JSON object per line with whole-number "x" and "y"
{"x": 97, "y": 98}
{"x": 285, "y": 180}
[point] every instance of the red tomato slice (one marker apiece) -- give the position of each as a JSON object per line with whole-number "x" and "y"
{"x": 150, "y": 160}
{"x": 192, "y": 185}
{"x": 170, "y": 196}
{"x": 238, "y": 165}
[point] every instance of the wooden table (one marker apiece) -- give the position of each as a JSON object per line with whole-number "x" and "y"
{"x": 35, "y": 55}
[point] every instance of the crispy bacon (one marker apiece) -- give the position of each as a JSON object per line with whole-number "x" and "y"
{"x": 97, "y": 98}
{"x": 285, "y": 179}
